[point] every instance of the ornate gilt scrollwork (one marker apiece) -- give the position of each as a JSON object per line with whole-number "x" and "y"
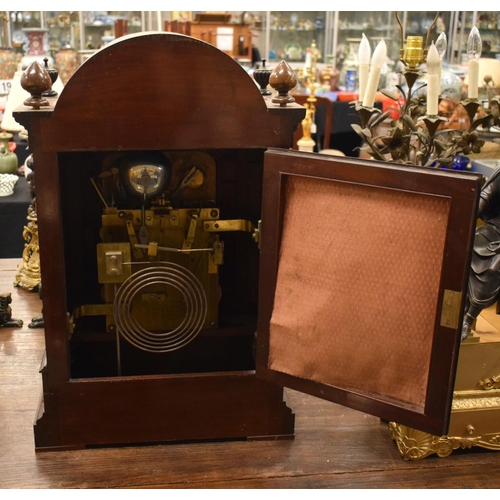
{"x": 467, "y": 402}
{"x": 490, "y": 383}
{"x": 29, "y": 276}
{"x": 416, "y": 445}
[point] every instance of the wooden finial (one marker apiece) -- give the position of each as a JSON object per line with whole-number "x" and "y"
{"x": 53, "y": 73}
{"x": 283, "y": 79}
{"x": 36, "y": 80}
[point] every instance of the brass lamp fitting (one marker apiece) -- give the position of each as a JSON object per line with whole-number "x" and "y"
{"x": 413, "y": 54}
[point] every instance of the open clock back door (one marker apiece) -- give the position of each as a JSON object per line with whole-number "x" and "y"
{"x": 363, "y": 277}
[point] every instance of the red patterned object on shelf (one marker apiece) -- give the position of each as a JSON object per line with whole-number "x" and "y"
{"x": 8, "y": 63}
{"x": 37, "y": 48}
{"x": 36, "y": 41}
{"x": 66, "y": 63}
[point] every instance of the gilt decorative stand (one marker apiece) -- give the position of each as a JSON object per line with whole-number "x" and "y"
{"x": 475, "y": 416}
{"x": 29, "y": 276}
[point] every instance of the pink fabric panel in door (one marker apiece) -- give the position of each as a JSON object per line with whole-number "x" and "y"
{"x": 357, "y": 287}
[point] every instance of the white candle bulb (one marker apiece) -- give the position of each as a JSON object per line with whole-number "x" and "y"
{"x": 378, "y": 60}
{"x": 364, "y": 53}
{"x": 441, "y": 46}
{"x": 433, "y": 60}
{"x": 308, "y": 61}
{"x": 474, "y": 47}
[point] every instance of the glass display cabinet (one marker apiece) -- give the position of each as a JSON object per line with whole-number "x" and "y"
{"x": 487, "y": 23}
{"x": 275, "y": 35}
{"x": 375, "y": 25}
{"x": 291, "y": 33}
{"x": 417, "y": 23}
{"x": 349, "y": 28}
{"x": 98, "y": 28}
{"x": 27, "y": 34}
{"x": 20, "y": 21}
{"x": 29, "y": 37}
{"x": 64, "y": 30}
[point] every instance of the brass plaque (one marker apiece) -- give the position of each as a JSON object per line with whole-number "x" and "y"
{"x": 450, "y": 312}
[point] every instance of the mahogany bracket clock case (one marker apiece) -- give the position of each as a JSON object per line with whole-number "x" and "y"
{"x": 192, "y": 265}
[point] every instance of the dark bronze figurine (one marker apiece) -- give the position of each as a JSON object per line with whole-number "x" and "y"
{"x": 484, "y": 278}
{"x": 6, "y": 312}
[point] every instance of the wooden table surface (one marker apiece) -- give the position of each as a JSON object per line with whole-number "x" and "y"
{"x": 334, "y": 447}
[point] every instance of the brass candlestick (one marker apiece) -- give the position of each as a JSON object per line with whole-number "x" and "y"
{"x": 308, "y": 75}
